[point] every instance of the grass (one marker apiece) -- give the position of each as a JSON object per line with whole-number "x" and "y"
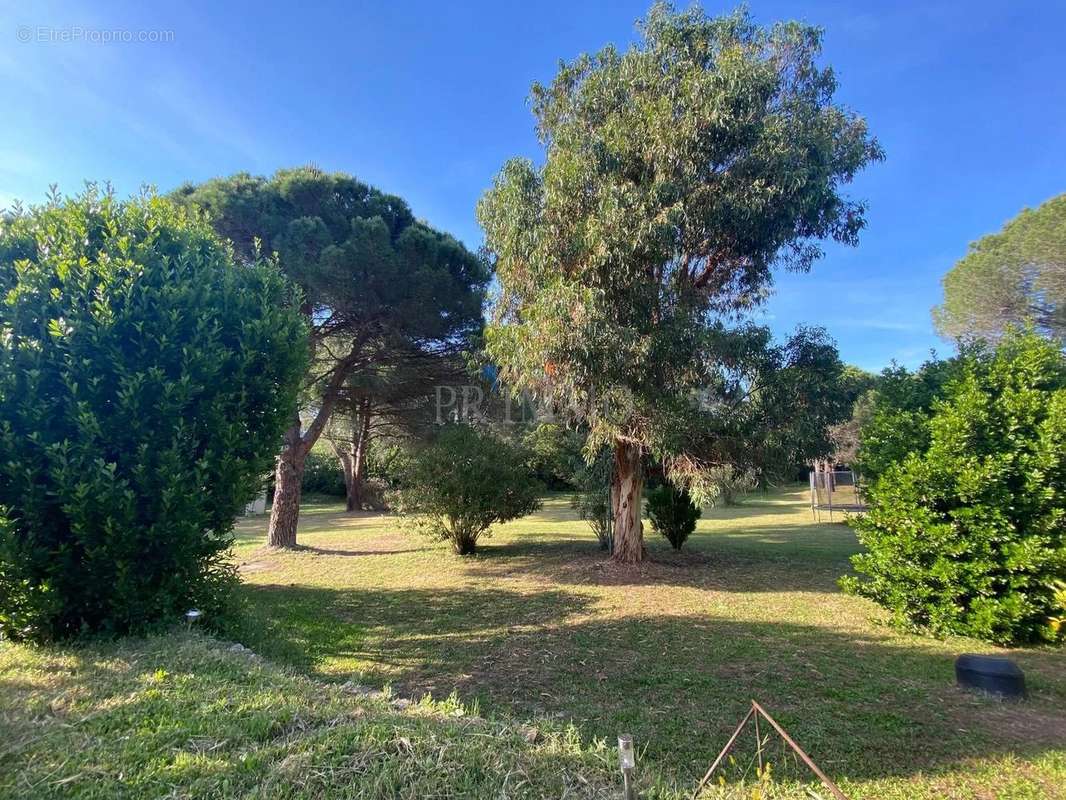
{"x": 535, "y": 630}
{"x": 186, "y": 717}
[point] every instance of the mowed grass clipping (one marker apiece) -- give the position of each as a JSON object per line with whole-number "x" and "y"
{"x": 559, "y": 650}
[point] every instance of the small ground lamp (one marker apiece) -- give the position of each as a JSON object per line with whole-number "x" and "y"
{"x": 628, "y": 760}
{"x": 192, "y": 615}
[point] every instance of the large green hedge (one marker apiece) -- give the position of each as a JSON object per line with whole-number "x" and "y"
{"x": 969, "y": 536}
{"x": 145, "y": 379}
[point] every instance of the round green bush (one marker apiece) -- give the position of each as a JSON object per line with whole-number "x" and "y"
{"x": 969, "y": 536}
{"x": 145, "y": 379}
{"x": 672, "y": 513}
{"x": 463, "y": 483}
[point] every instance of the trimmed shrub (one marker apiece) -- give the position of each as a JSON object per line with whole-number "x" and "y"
{"x": 969, "y": 537}
{"x": 464, "y": 482}
{"x": 672, "y": 513}
{"x": 145, "y": 380}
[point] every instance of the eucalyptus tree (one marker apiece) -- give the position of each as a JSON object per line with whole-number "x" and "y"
{"x": 1016, "y": 277}
{"x": 369, "y": 272}
{"x": 676, "y": 175}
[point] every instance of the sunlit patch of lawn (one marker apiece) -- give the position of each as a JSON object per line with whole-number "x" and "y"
{"x": 538, "y": 653}
{"x": 537, "y": 624}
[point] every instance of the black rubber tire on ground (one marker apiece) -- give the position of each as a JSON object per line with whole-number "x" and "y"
{"x": 993, "y": 674}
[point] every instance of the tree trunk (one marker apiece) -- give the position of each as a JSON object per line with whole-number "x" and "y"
{"x": 355, "y": 488}
{"x": 288, "y": 480}
{"x": 628, "y": 489}
{"x": 348, "y": 469}
{"x": 362, "y": 442}
{"x": 352, "y": 454}
{"x": 289, "y": 473}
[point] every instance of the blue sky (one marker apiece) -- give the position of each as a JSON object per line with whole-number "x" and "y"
{"x": 427, "y": 100}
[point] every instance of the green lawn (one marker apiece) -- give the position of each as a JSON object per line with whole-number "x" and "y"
{"x": 539, "y": 630}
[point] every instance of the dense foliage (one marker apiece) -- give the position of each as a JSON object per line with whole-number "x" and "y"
{"x": 1014, "y": 277}
{"x": 676, "y": 175}
{"x": 731, "y": 484}
{"x": 145, "y": 380}
{"x": 893, "y": 420}
{"x": 856, "y": 388}
{"x": 387, "y": 404}
{"x": 463, "y": 483}
{"x": 323, "y": 474}
{"x": 555, "y": 454}
{"x": 765, "y": 408}
{"x": 968, "y": 536}
{"x": 672, "y": 513}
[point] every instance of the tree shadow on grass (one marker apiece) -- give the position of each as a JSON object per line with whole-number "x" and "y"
{"x": 865, "y": 706}
{"x": 749, "y": 547}
{"x": 329, "y": 551}
{"x": 773, "y": 560}
{"x": 309, "y": 626}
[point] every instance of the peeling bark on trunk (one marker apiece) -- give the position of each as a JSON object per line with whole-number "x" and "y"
{"x": 627, "y": 490}
{"x": 289, "y": 470}
{"x": 288, "y": 479}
